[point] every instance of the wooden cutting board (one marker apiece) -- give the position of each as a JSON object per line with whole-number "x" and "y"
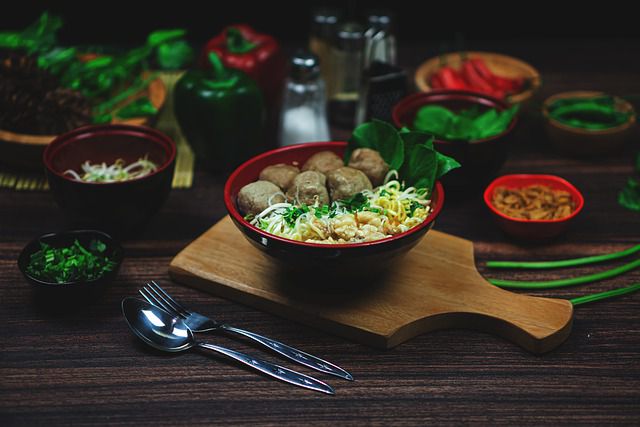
{"x": 435, "y": 286}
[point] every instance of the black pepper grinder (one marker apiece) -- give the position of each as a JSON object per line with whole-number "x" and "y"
{"x": 383, "y": 83}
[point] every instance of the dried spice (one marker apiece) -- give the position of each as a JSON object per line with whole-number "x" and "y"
{"x": 534, "y": 202}
{"x": 32, "y": 101}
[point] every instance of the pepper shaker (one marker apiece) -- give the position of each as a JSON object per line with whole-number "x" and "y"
{"x": 346, "y": 64}
{"x": 304, "y": 117}
{"x": 324, "y": 23}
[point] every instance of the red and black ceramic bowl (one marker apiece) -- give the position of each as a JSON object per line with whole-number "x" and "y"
{"x": 335, "y": 260}
{"x": 480, "y": 159}
{"x": 530, "y": 229}
{"x": 117, "y": 207}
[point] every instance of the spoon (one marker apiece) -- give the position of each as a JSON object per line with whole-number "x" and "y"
{"x": 162, "y": 331}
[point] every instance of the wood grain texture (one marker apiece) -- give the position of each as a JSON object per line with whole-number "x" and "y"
{"x": 86, "y": 368}
{"x": 435, "y": 286}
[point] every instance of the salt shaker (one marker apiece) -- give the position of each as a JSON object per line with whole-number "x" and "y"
{"x": 304, "y": 117}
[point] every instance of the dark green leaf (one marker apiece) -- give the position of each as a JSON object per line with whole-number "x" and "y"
{"x": 420, "y": 166}
{"x": 629, "y": 196}
{"x": 445, "y": 164}
{"x": 379, "y": 136}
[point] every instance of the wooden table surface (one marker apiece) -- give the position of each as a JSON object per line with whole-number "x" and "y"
{"x": 85, "y": 367}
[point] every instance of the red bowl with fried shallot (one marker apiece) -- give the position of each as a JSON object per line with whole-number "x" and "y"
{"x": 532, "y": 229}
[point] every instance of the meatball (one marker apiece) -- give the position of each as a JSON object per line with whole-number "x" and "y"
{"x": 255, "y": 197}
{"x": 371, "y": 163}
{"x": 344, "y": 182}
{"x": 323, "y": 162}
{"x": 281, "y": 175}
{"x": 306, "y": 186}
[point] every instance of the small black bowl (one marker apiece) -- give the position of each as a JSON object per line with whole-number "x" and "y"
{"x": 74, "y": 289}
{"x": 120, "y": 208}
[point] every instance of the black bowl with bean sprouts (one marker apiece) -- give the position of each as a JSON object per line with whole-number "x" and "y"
{"x": 110, "y": 177}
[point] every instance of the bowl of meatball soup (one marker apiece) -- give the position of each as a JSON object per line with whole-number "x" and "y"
{"x": 312, "y": 210}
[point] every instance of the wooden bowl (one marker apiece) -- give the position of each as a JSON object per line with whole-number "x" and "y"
{"x": 501, "y": 65}
{"x": 585, "y": 142}
{"x": 25, "y": 150}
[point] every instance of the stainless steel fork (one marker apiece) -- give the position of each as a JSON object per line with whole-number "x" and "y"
{"x": 197, "y": 322}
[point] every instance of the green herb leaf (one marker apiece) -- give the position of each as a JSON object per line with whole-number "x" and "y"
{"x": 629, "y": 196}
{"x": 420, "y": 164}
{"x": 466, "y": 125}
{"x": 355, "y": 203}
{"x": 379, "y": 136}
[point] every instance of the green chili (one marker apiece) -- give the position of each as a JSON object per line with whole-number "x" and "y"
{"x": 564, "y": 263}
{"x": 607, "y": 274}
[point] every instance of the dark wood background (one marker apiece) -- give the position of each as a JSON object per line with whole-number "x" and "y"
{"x": 85, "y": 367}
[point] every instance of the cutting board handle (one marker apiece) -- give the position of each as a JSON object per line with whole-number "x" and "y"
{"x": 536, "y": 324}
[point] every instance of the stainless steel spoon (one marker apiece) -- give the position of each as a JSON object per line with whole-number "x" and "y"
{"x": 162, "y": 331}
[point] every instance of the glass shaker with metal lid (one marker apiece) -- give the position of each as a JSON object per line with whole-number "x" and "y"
{"x": 324, "y": 22}
{"x": 304, "y": 117}
{"x": 380, "y": 43}
{"x": 346, "y": 65}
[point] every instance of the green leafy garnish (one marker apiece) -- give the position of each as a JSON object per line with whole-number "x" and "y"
{"x": 629, "y": 196}
{"x": 411, "y": 153}
{"x": 355, "y": 203}
{"x": 381, "y": 137}
{"x": 293, "y": 213}
{"x": 70, "y": 264}
{"x": 466, "y": 125}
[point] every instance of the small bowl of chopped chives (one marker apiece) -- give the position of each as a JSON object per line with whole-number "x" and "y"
{"x": 71, "y": 263}
{"x": 587, "y": 123}
{"x": 111, "y": 177}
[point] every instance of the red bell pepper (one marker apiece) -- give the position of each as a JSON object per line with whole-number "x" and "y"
{"x": 436, "y": 82}
{"x": 505, "y": 84}
{"x": 477, "y": 83}
{"x": 258, "y": 55}
{"x": 451, "y": 79}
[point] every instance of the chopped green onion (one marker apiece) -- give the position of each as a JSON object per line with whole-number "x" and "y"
{"x": 70, "y": 264}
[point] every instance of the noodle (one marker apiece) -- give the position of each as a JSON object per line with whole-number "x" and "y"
{"x": 370, "y": 215}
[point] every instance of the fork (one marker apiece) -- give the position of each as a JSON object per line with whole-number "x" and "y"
{"x": 197, "y": 322}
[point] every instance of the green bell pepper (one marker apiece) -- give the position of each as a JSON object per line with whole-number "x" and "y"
{"x": 221, "y": 113}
